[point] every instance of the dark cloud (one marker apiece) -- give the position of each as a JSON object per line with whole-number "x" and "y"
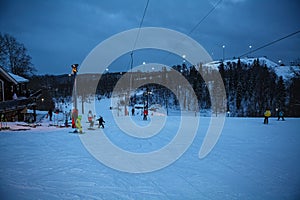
{"x": 58, "y": 33}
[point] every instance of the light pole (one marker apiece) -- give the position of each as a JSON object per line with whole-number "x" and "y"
{"x": 74, "y": 71}
{"x": 146, "y": 103}
{"x": 223, "y": 47}
{"x": 144, "y": 69}
{"x": 183, "y": 57}
{"x": 69, "y": 84}
{"x": 250, "y": 47}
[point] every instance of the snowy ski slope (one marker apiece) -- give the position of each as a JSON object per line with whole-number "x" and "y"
{"x": 250, "y": 161}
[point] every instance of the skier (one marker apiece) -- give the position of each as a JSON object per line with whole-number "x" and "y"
{"x": 280, "y": 115}
{"x": 145, "y": 114}
{"x": 1, "y": 121}
{"x": 78, "y": 124}
{"x": 101, "y": 121}
{"x": 50, "y": 114}
{"x": 91, "y": 119}
{"x": 267, "y": 114}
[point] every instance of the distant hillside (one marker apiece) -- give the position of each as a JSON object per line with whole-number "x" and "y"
{"x": 287, "y": 72}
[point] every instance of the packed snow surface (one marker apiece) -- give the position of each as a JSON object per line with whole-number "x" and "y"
{"x": 250, "y": 161}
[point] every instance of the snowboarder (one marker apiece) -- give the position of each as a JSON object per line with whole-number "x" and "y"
{"x": 78, "y": 123}
{"x": 91, "y": 119}
{"x": 101, "y": 121}
{"x": 267, "y": 114}
{"x": 280, "y": 115}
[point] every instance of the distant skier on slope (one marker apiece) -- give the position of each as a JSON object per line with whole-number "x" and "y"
{"x": 267, "y": 114}
{"x": 280, "y": 115}
{"x": 91, "y": 119}
{"x": 101, "y": 121}
{"x": 50, "y": 113}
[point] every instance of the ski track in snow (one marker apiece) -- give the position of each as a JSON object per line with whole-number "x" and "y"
{"x": 250, "y": 161}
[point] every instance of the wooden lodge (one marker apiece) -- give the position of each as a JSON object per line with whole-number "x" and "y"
{"x": 15, "y": 97}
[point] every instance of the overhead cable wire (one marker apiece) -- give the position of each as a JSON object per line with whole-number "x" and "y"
{"x": 135, "y": 42}
{"x": 200, "y": 21}
{"x": 205, "y": 16}
{"x": 138, "y": 34}
{"x": 270, "y": 43}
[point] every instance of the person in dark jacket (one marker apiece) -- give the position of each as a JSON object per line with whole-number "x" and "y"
{"x": 280, "y": 115}
{"x": 50, "y": 112}
{"x": 101, "y": 121}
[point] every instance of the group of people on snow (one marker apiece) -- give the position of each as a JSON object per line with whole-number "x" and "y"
{"x": 267, "y": 114}
{"x": 76, "y": 120}
{"x": 91, "y": 120}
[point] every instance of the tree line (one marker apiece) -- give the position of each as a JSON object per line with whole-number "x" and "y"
{"x": 250, "y": 88}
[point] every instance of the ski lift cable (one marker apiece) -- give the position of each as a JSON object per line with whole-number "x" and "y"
{"x": 270, "y": 43}
{"x": 135, "y": 42}
{"x": 189, "y": 33}
{"x": 199, "y": 22}
{"x": 137, "y": 36}
{"x": 205, "y": 16}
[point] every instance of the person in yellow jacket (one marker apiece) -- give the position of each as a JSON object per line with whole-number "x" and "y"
{"x": 78, "y": 123}
{"x": 267, "y": 114}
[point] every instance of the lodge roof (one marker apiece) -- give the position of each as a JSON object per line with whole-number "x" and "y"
{"x": 12, "y": 77}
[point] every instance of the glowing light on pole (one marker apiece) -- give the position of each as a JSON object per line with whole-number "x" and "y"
{"x": 74, "y": 71}
{"x": 250, "y": 48}
{"x": 223, "y": 47}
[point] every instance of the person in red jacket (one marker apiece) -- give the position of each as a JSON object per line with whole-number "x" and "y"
{"x": 74, "y": 117}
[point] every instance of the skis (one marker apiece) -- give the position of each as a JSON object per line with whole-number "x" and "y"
{"x": 19, "y": 129}
{"x": 90, "y": 129}
{"x": 76, "y": 132}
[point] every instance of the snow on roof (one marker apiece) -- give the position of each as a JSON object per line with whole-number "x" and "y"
{"x": 19, "y": 79}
